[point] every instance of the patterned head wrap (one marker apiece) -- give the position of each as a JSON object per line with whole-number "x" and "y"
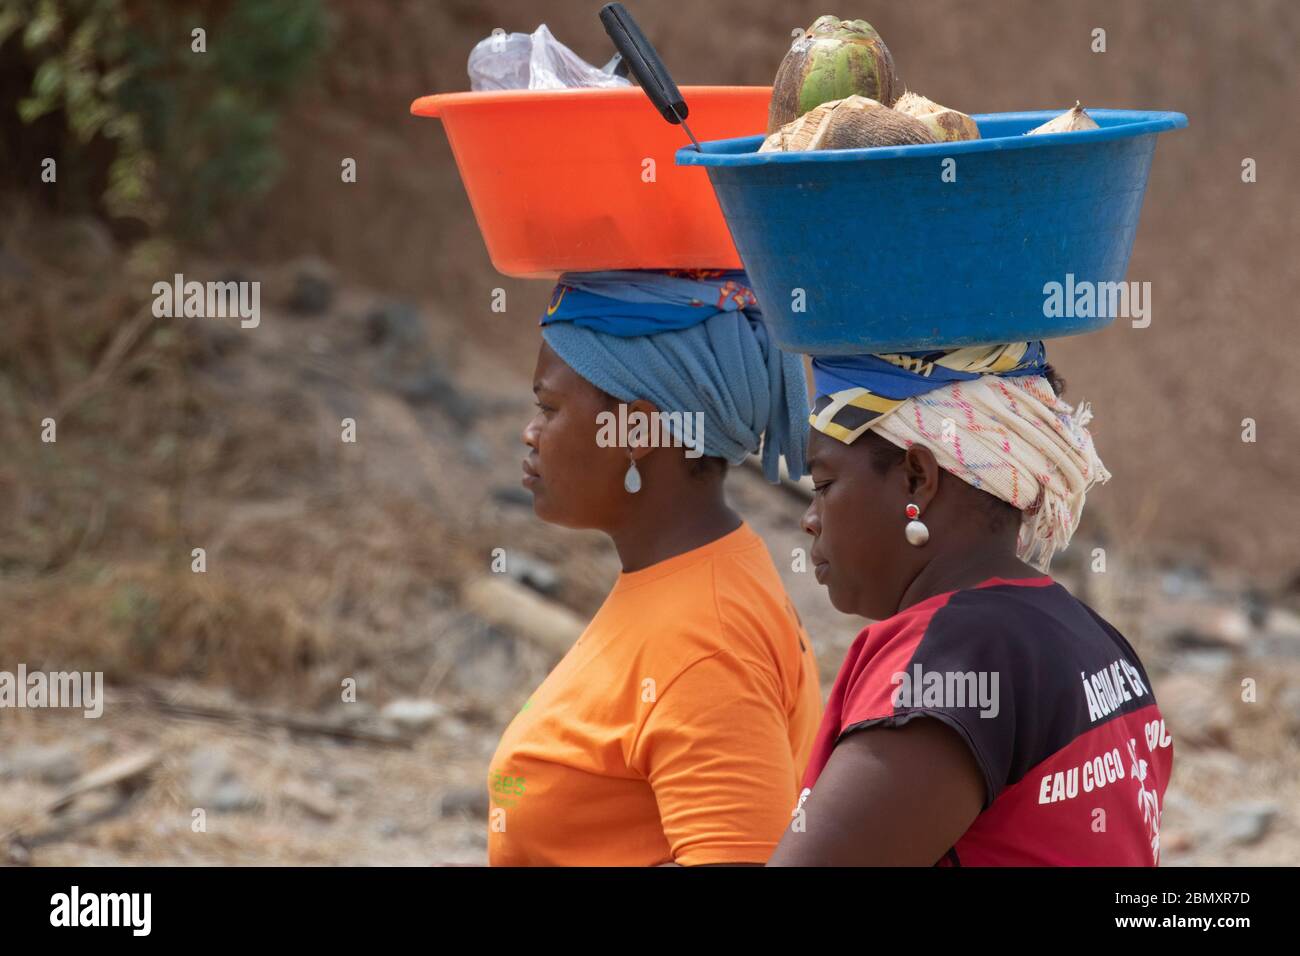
{"x": 989, "y": 416}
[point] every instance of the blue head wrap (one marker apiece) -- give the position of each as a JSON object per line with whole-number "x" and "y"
{"x": 687, "y": 341}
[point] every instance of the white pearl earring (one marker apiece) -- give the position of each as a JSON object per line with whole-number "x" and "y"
{"x": 916, "y": 532}
{"x": 632, "y": 480}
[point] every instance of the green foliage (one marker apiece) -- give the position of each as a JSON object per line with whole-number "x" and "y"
{"x": 192, "y": 133}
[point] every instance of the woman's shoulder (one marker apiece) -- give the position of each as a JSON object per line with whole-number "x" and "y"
{"x": 1029, "y": 627}
{"x": 1036, "y": 615}
{"x": 754, "y": 609}
{"x": 729, "y": 601}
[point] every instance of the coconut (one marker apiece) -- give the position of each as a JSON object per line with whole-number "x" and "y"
{"x": 1068, "y": 122}
{"x": 947, "y": 125}
{"x": 854, "y": 122}
{"x": 831, "y": 60}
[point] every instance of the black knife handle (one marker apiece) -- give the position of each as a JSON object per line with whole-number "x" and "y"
{"x": 644, "y": 62}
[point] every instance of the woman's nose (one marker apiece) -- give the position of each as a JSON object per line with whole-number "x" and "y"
{"x": 529, "y": 434}
{"x": 811, "y": 521}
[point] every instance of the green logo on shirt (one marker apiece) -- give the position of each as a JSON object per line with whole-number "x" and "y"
{"x": 502, "y": 786}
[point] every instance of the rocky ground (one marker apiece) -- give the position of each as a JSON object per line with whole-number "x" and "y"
{"x": 368, "y": 563}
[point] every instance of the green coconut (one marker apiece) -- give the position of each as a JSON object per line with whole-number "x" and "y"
{"x": 831, "y": 60}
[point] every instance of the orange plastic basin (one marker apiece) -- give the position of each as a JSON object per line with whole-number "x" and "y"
{"x": 558, "y": 178}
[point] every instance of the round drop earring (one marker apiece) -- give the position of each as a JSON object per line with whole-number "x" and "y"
{"x": 916, "y": 532}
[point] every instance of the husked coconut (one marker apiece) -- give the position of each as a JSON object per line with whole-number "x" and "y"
{"x": 1068, "y": 122}
{"x": 947, "y": 125}
{"x": 854, "y": 122}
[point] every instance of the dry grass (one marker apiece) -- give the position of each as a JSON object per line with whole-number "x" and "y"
{"x": 173, "y": 435}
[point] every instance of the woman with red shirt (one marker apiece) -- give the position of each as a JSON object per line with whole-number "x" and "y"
{"x": 944, "y": 483}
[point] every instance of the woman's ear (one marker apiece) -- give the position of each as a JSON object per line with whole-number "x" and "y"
{"x": 649, "y": 435}
{"x": 921, "y": 471}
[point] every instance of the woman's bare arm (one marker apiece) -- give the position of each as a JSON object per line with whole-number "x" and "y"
{"x": 888, "y": 796}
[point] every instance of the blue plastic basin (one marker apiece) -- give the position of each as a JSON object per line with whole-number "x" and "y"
{"x": 883, "y": 254}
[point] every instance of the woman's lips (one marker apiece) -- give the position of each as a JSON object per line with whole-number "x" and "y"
{"x": 820, "y": 570}
{"x": 531, "y": 477}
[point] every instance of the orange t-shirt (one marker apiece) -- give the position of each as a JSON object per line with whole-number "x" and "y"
{"x": 677, "y": 728}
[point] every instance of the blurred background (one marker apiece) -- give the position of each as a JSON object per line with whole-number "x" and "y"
{"x": 369, "y": 562}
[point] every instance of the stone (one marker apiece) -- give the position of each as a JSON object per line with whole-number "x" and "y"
{"x": 514, "y": 494}
{"x": 53, "y": 765}
{"x": 353, "y": 713}
{"x": 350, "y": 783}
{"x": 1197, "y": 626}
{"x": 534, "y": 572}
{"x": 1289, "y": 704}
{"x": 1184, "y": 582}
{"x": 431, "y": 385}
{"x": 398, "y": 326}
{"x": 463, "y": 801}
{"x": 455, "y": 730}
{"x": 1205, "y": 661}
{"x": 476, "y": 453}
{"x": 214, "y": 785}
{"x": 1196, "y": 714}
{"x": 412, "y": 714}
{"x": 1274, "y": 646}
{"x": 486, "y": 664}
{"x": 316, "y": 802}
{"x": 1246, "y": 823}
{"x": 312, "y": 288}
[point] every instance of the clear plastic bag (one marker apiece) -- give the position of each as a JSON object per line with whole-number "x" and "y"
{"x": 536, "y": 61}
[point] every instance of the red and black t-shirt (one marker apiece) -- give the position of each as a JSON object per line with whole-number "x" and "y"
{"x": 1051, "y": 699}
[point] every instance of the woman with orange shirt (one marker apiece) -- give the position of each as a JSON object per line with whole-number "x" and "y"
{"x": 677, "y": 728}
